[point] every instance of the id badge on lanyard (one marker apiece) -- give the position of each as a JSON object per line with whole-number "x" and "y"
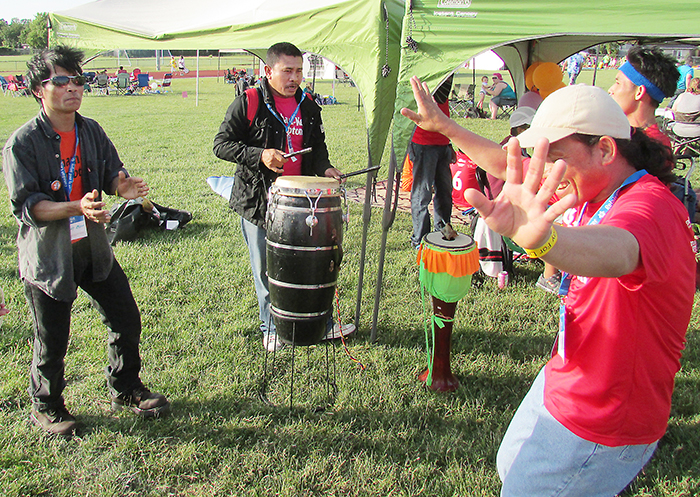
{"x": 566, "y": 277}
{"x": 288, "y": 126}
{"x": 78, "y": 227}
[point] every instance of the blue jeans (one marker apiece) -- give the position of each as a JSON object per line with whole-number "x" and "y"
{"x": 431, "y": 168}
{"x": 255, "y": 238}
{"x": 539, "y": 456}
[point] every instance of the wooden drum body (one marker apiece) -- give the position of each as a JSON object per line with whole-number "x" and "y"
{"x": 445, "y": 272}
{"x": 304, "y": 251}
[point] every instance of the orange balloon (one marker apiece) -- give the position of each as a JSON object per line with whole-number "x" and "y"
{"x": 528, "y": 76}
{"x": 545, "y": 94}
{"x": 547, "y": 76}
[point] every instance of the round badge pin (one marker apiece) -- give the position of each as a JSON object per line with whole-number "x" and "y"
{"x": 56, "y": 185}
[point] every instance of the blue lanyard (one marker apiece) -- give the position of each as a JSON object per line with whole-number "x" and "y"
{"x": 291, "y": 119}
{"x": 566, "y": 277}
{"x": 67, "y": 180}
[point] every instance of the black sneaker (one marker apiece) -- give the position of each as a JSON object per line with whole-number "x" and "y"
{"x": 54, "y": 421}
{"x": 143, "y": 402}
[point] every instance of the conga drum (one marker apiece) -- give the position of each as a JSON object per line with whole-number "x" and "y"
{"x": 445, "y": 272}
{"x": 304, "y": 250}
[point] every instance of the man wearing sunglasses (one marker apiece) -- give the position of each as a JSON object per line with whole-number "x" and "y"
{"x": 56, "y": 167}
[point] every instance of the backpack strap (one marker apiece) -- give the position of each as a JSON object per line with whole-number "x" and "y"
{"x": 253, "y": 102}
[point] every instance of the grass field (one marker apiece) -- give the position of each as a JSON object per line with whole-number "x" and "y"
{"x": 385, "y": 435}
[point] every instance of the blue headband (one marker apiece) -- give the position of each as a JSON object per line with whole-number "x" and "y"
{"x": 639, "y": 80}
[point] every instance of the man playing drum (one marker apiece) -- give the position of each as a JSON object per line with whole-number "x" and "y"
{"x": 595, "y": 413}
{"x": 285, "y": 122}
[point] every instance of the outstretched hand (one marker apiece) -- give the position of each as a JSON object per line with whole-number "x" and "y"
{"x": 131, "y": 187}
{"x": 521, "y": 211}
{"x": 428, "y": 116}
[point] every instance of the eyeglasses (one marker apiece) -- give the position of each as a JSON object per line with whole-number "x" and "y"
{"x": 60, "y": 81}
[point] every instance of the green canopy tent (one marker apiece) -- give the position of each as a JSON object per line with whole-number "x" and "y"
{"x": 359, "y": 36}
{"x": 367, "y": 37}
{"x": 438, "y": 36}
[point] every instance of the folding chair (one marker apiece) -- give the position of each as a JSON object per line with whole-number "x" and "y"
{"x": 142, "y": 82}
{"x": 458, "y": 105}
{"x": 122, "y": 83}
{"x": 685, "y": 144}
{"x": 167, "y": 81}
{"x": 461, "y": 100}
{"x": 16, "y": 86}
{"x": 4, "y": 84}
{"x": 507, "y": 109}
{"x": 101, "y": 84}
{"x": 90, "y": 77}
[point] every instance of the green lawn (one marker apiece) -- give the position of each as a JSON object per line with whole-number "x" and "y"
{"x": 385, "y": 435}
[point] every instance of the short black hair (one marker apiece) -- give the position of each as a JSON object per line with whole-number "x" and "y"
{"x": 278, "y": 49}
{"x": 39, "y": 67}
{"x": 656, "y": 66}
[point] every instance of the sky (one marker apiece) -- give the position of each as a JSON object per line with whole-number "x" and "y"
{"x": 28, "y": 9}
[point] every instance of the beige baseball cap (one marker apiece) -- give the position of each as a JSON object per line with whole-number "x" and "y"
{"x": 584, "y": 109}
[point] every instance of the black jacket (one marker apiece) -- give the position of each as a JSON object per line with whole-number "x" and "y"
{"x": 31, "y": 166}
{"x": 243, "y": 143}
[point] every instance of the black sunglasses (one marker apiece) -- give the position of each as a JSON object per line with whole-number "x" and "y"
{"x": 60, "y": 81}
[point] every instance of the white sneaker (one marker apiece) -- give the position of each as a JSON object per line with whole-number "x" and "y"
{"x": 337, "y": 331}
{"x": 272, "y": 343}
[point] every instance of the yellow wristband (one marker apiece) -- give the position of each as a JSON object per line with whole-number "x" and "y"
{"x": 539, "y": 252}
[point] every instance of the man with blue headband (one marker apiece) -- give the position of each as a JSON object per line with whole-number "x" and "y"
{"x": 643, "y": 81}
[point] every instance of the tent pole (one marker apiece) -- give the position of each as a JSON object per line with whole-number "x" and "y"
{"x": 196, "y": 99}
{"x": 387, "y": 220}
{"x": 366, "y": 216}
{"x": 312, "y": 59}
{"x": 595, "y": 66}
{"x": 218, "y": 66}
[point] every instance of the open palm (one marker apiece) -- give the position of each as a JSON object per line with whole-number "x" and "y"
{"x": 522, "y": 211}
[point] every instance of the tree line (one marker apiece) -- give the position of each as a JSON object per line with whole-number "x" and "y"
{"x": 19, "y": 33}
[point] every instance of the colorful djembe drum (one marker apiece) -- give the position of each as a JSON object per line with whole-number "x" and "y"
{"x": 445, "y": 272}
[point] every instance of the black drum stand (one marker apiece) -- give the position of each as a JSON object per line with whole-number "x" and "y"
{"x": 317, "y": 365}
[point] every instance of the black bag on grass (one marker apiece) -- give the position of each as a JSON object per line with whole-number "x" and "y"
{"x": 132, "y": 216}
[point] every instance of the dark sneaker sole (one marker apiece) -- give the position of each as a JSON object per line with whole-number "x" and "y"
{"x": 154, "y": 412}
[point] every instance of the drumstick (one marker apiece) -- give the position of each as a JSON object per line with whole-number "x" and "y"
{"x": 297, "y": 152}
{"x": 361, "y": 171}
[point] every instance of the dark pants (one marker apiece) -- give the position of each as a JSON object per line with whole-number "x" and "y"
{"x": 51, "y": 319}
{"x": 431, "y": 170}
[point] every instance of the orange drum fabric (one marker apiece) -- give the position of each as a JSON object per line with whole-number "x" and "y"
{"x": 446, "y": 266}
{"x": 455, "y": 263}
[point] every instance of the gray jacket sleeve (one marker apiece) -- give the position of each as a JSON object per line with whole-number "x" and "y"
{"x": 23, "y": 183}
